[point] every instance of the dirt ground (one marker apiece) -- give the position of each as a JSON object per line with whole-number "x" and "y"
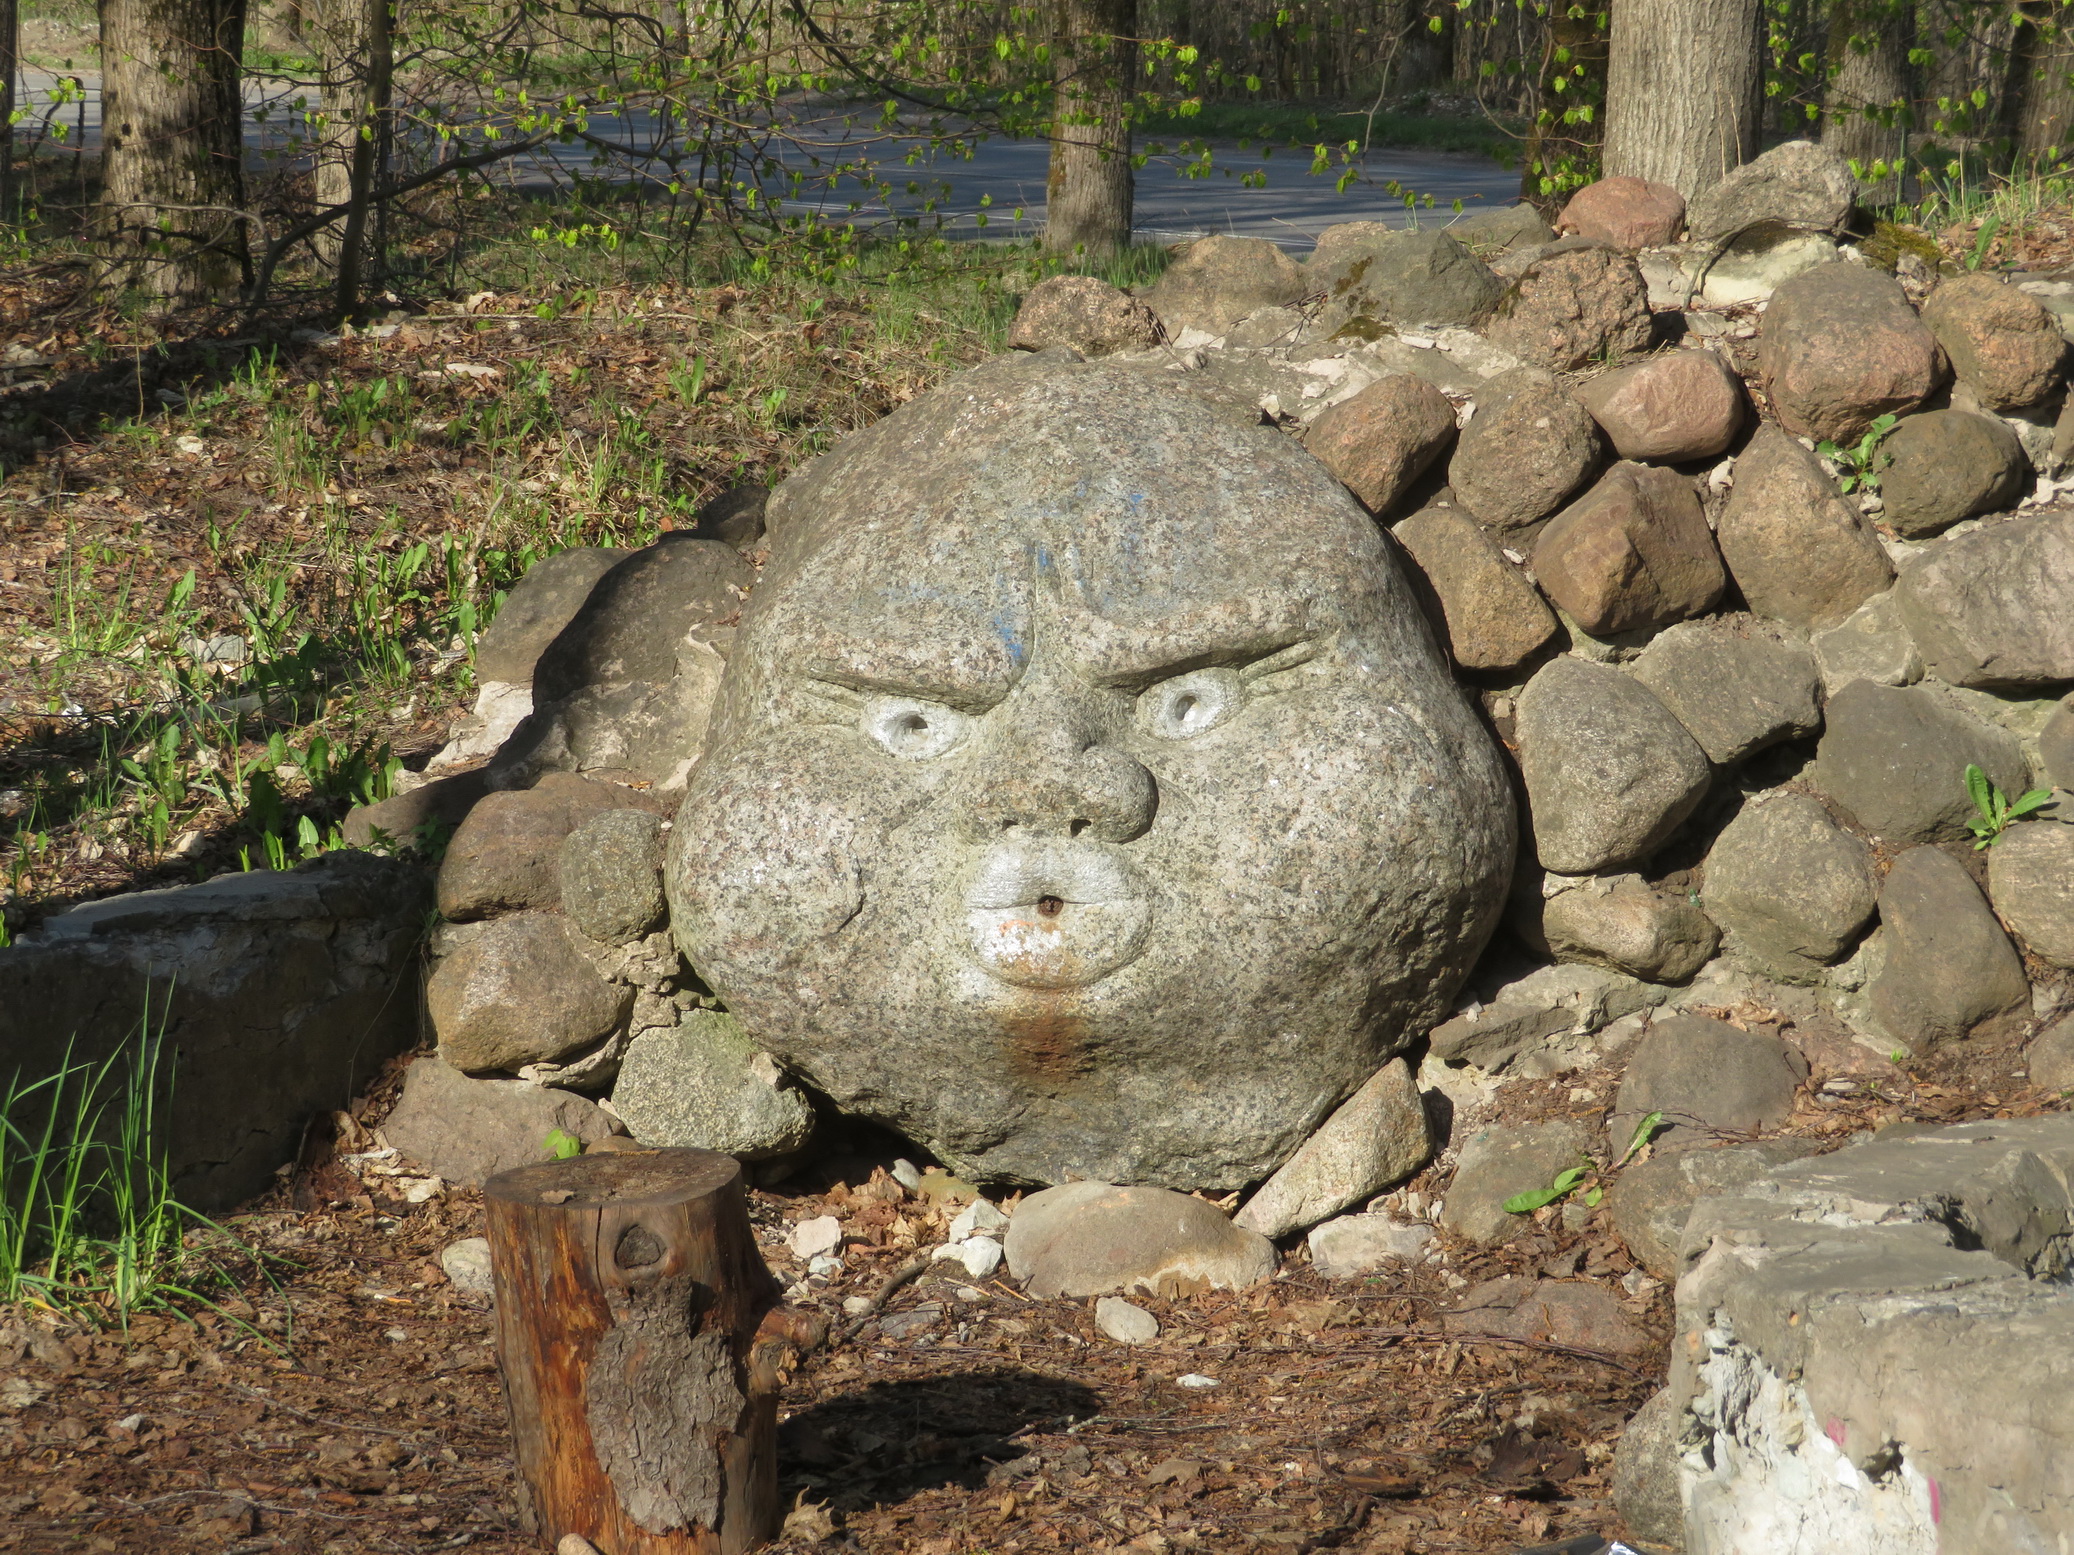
{"x": 347, "y": 1399}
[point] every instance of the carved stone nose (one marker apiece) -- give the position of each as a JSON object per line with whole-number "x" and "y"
{"x": 1053, "y": 785}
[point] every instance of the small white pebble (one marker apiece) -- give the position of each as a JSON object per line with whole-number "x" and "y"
{"x": 1196, "y": 1379}
{"x": 394, "y": 1335}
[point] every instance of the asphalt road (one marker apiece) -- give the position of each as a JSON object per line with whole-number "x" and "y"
{"x": 1000, "y": 180}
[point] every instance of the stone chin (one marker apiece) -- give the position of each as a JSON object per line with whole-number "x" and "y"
{"x": 1053, "y": 914}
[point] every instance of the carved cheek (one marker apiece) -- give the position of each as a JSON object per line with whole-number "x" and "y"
{"x": 768, "y": 860}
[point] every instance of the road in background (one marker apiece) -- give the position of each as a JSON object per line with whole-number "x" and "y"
{"x": 1000, "y": 180}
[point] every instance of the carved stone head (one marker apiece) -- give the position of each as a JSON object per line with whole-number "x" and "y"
{"x": 1086, "y": 797}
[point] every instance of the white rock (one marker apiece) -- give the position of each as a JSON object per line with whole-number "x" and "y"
{"x": 908, "y": 1175}
{"x": 1360, "y": 1244}
{"x": 1377, "y": 1137}
{"x": 811, "y": 1238}
{"x": 467, "y": 1264}
{"x": 976, "y": 1217}
{"x": 980, "y": 1255}
{"x": 1196, "y": 1379}
{"x": 825, "y": 1267}
{"x": 856, "y": 1306}
{"x": 1125, "y": 1321}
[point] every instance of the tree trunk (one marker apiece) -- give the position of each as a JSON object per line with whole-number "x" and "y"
{"x": 2039, "y": 106}
{"x": 1866, "y": 118}
{"x": 172, "y": 158}
{"x": 366, "y": 153}
{"x": 341, "y": 29}
{"x": 1088, "y": 194}
{"x": 10, "y": 66}
{"x": 1684, "y": 90}
{"x": 638, "y": 1333}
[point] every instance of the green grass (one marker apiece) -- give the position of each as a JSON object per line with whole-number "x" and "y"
{"x": 89, "y": 1224}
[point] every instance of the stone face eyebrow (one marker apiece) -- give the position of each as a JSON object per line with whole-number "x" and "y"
{"x": 1229, "y": 635}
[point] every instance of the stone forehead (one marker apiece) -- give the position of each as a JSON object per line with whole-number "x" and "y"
{"x": 1105, "y": 494}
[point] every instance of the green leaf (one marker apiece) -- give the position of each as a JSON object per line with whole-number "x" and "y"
{"x": 1533, "y": 1199}
{"x": 1981, "y": 792}
{"x": 1593, "y": 1195}
{"x": 562, "y": 1145}
{"x": 1644, "y": 1132}
{"x": 2036, "y": 799}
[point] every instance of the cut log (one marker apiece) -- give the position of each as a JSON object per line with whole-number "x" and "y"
{"x": 641, "y": 1344}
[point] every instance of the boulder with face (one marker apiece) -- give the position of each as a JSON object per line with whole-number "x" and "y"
{"x": 1086, "y": 797}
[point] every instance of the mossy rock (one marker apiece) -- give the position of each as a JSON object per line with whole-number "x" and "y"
{"x": 1891, "y": 239}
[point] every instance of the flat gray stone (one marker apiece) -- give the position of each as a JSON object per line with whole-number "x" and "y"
{"x": 282, "y": 993}
{"x": 2056, "y": 746}
{"x": 1609, "y": 771}
{"x": 2031, "y": 882}
{"x": 1950, "y": 972}
{"x": 1899, "y": 1302}
{"x": 1990, "y": 608}
{"x": 1738, "y": 683}
{"x": 1219, "y": 280}
{"x": 1500, "y": 1161}
{"x": 631, "y": 624}
{"x": 611, "y": 876}
{"x": 1125, "y": 1321}
{"x": 468, "y": 1130}
{"x": 1707, "y": 1078}
{"x": 703, "y": 1085}
{"x": 1377, "y": 1138}
{"x": 1501, "y": 229}
{"x": 1354, "y": 1245}
{"x": 1895, "y": 758}
{"x": 1093, "y": 1238}
{"x": 1797, "y": 184}
{"x": 1002, "y": 765}
{"x": 1409, "y": 278}
{"x": 1645, "y": 1473}
{"x": 1871, "y": 644}
{"x": 1791, "y": 890}
{"x": 518, "y": 990}
{"x": 2050, "y": 1057}
{"x": 539, "y": 605}
{"x": 1653, "y": 1198}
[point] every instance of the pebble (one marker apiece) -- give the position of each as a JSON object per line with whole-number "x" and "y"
{"x": 811, "y": 1238}
{"x": 824, "y": 1266}
{"x": 1125, "y": 1321}
{"x": 977, "y": 1216}
{"x": 1196, "y": 1379}
{"x": 856, "y": 1306}
{"x": 467, "y": 1264}
{"x": 907, "y": 1174}
{"x": 980, "y": 1255}
{"x": 575, "y": 1544}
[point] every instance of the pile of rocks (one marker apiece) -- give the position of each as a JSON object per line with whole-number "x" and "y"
{"x": 1740, "y": 698}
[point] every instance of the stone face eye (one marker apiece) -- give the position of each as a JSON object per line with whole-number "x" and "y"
{"x": 913, "y": 729}
{"x": 1192, "y": 704}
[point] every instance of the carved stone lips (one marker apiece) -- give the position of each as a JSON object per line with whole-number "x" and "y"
{"x": 1055, "y": 913}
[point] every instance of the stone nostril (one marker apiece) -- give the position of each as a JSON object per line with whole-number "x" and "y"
{"x": 1050, "y": 906}
{"x": 1078, "y": 825}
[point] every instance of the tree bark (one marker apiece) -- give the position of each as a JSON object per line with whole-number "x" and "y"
{"x": 1867, "y": 96}
{"x": 1684, "y": 90}
{"x": 172, "y": 159}
{"x": 366, "y": 152}
{"x": 341, "y": 29}
{"x": 1088, "y": 193}
{"x": 2040, "y": 99}
{"x": 10, "y": 65}
{"x": 639, "y": 1335}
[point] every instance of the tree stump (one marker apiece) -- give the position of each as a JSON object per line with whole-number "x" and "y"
{"x": 641, "y": 1344}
